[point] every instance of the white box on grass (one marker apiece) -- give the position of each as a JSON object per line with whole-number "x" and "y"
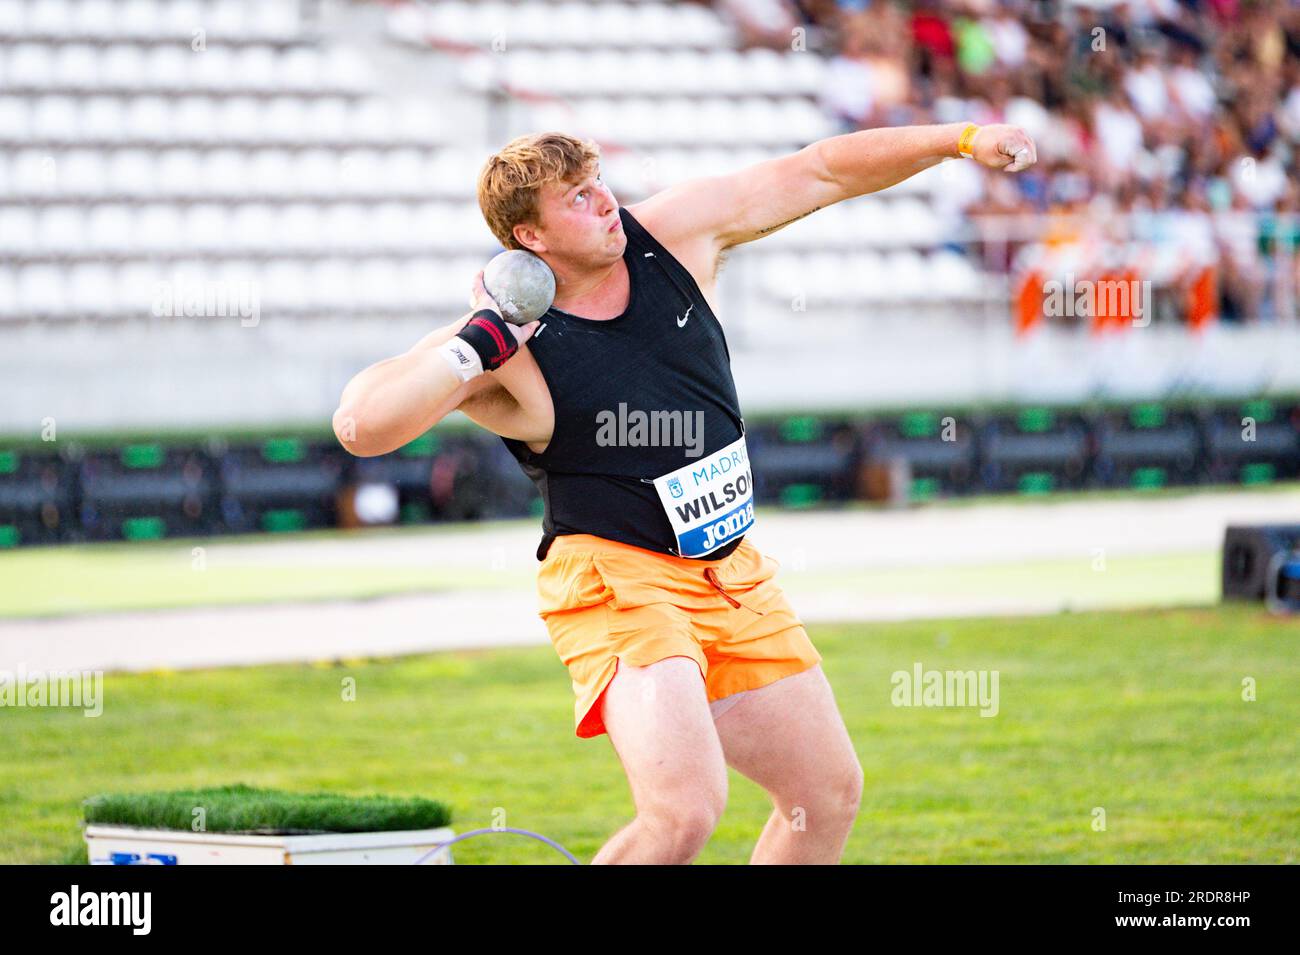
{"x": 127, "y": 845}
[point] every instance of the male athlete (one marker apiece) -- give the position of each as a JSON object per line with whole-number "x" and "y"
{"x": 680, "y": 644}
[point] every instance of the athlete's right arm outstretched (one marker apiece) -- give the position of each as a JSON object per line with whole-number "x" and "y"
{"x": 396, "y": 400}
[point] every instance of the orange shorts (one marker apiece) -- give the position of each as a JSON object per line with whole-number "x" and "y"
{"x": 604, "y": 601}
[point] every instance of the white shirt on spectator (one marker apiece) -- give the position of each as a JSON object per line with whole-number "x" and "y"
{"x": 1239, "y": 232}
{"x": 1009, "y": 40}
{"x": 1030, "y": 115}
{"x": 1260, "y": 181}
{"x": 1193, "y": 90}
{"x": 1120, "y": 135}
{"x": 847, "y": 89}
{"x": 1147, "y": 91}
{"x": 1290, "y": 116}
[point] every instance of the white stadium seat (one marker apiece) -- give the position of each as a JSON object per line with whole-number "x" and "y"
{"x": 82, "y": 173}
{"x": 138, "y": 18}
{"x": 316, "y": 172}
{"x": 298, "y": 228}
{"x": 380, "y": 282}
{"x": 207, "y": 226}
{"x": 9, "y": 305}
{"x": 346, "y": 69}
{"x": 42, "y": 290}
{"x": 284, "y": 284}
{"x": 218, "y": 69}
{"x": 361, "y": 172}
{"x": 954, "y": 275}
{"x": 96, "y": 18}
{"x": 198, "y": 119}
{"x": 178, "y": 172}
{"x": 374, "y": 120}
{"x": 404, "y": 171}
{"x": 417, "y": 121}
{"x": 334, "y": 284}
{"x": 55, "y": 119}
{"x": 149, "y": 118}
{"x": 224, "y": 172}
{"x": 131, "y": 172}
{"x": 13, "y": 18}
{"x": 533, "y": 24}
{"x": 101, "y": 119}
{"x": 124, "y": 66}
{"x": 76, "y": 65}
{"x": 53, "y": 18}
{"x": 183, "y": 18}
{"x": 110, "y": 229}
{"x": 254, "y": 227}
{"x": 287, "y": 118}
{"x": 35, "y": 172}
{"x": 272, "y": 21}
{"x": 301, "y": 68}
{"x": 343, "y": 225}
{"x": 160, "y": 228}
{"x": 326, "y": 119}
{"x": 422, "y": 284}
{"x": 172, "y": 66}
{"x": 239, "y": 118}
{"x": 92, "y": 290}
{"x": 138, "y": 287}
{"x": 225, "y": 18}
{"x": 29, "y": 65}
{"x": 14, "y": 119}
{"x": 17, "y": 230}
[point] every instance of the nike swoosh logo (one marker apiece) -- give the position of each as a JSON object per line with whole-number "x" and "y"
{"x": 683, "y": 319}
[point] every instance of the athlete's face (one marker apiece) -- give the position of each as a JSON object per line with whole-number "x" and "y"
{"x": 579, "y": 222}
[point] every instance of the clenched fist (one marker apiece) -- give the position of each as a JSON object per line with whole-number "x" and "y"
{"x": 1008, "y": 148}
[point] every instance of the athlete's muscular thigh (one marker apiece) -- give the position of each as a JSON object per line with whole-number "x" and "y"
{"x": 659, "y": 722}
{"x": 790, "y": 738}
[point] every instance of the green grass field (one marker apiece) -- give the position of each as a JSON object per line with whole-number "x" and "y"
{"x": 1139, "y": 713}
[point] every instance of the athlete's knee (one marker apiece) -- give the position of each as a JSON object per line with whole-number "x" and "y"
{"x": 683, "y": 826}
{"x": 832, "y": 798}
{"x": 842, "y": 793}
{"x": 850, "y": 787}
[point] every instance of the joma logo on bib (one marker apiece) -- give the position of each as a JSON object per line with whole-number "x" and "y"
{"x": 711, "y": 502}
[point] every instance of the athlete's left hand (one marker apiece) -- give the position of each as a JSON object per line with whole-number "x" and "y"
{"x": 479, "y": 297}
{"x": 1008, "y": 148}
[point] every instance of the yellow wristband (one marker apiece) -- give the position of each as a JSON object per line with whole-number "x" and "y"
{"x": 965, "y": 139}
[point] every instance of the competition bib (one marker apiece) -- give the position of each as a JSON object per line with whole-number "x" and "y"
{"x": 709, "y": 502}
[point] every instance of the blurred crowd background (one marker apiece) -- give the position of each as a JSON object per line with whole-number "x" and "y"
{"x": 1181, "y": 114}
{"x": 214, "y": 211}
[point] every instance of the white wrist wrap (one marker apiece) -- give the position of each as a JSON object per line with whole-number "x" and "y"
{"x": 464, "y": 361}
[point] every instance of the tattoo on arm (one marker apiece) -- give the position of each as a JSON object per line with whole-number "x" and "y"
{"x": 782, "y": 225}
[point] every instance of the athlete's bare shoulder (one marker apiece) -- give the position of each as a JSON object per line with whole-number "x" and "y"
{"x": 694, "y": 247}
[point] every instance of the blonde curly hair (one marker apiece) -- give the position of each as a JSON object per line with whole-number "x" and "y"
{"x": 510, "y": 183}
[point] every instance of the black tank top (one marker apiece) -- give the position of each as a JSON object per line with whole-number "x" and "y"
{"x": 665, "y": 353}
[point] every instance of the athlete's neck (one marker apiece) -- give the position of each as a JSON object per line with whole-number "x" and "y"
{"x": 598, "y": 295}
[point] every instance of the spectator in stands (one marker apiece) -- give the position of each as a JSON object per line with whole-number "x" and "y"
{"x": 1161, "y": 104}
